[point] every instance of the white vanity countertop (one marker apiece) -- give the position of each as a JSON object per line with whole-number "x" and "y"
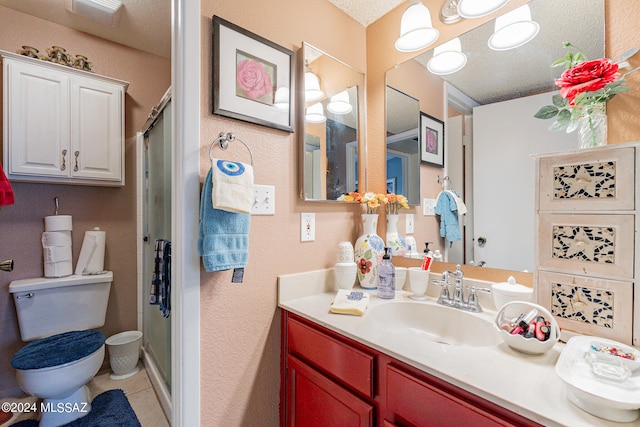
{"x": 525, "y": 384}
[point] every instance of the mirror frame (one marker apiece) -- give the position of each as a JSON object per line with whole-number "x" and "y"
{"x": 361, "y": 175}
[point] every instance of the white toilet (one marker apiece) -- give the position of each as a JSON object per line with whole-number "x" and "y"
{"x": 57, "y": 315}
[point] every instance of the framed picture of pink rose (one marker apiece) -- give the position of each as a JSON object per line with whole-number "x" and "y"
{"x": 431, "y": 140}
{"x": 252, "y": 77}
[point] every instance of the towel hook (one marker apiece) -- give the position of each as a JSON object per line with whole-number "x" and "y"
{"x": 446, "y": 182}
{"x": 223, "y": 140}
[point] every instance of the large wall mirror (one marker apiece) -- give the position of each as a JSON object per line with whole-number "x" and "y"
{"x": 403, "y": 147}
{"x": 330, "y": 96}
{"x": 488, "y": 109}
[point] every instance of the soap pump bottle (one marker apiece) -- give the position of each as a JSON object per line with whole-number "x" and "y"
{"x": 386, "y": 276}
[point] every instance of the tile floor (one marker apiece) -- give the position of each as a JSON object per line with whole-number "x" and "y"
{"x": 138, "y": 389}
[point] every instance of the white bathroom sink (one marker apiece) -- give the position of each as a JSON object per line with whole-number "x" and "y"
{"x": 435, "y": 323}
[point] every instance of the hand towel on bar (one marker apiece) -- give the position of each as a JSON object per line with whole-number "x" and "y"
{"x": 160, "y": 293}
{"x": 232, "y": 186}
{"x": 6, "y": 192}
{"x": 447, "y": 208}
{"x": 350, "y": 302}
{"x": 223, "y": 237}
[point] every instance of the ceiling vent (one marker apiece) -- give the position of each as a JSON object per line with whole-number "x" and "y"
{"x": 104, "y": 11}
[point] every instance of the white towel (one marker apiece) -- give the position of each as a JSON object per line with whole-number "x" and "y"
{"x": 350, "y": 302}
{"x": 232, "y": 186}
{"x": 462, "y": 208}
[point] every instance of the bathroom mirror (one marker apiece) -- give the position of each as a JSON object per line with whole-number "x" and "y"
{"x": 491, "y": 77}
{"x": 329, "y": 99}
{"x": 403, "y": 148}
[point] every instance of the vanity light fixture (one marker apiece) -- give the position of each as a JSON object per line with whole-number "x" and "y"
{"x": 416, "y": 29}
{"x": 104, "y": 11}
{"x": 477, "y": 8}
{"x": 281, "y": 99}
{"x": 340, "y": 104}
{"x": 315, "y": 114}
{"x": 312, "y": 91}
{"x": 447, "y": 58}
{"x": 513, "y": 29}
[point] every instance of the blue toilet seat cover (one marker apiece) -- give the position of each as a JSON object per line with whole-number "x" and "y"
{"x": 57, "y": 349}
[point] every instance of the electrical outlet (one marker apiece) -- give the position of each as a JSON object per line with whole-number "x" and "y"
{"x": 409, "y": 224}
{"x": 307, "y": 227}
{"x": 264, "y": 200}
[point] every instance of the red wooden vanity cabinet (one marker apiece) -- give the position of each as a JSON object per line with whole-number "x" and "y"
{"x": 329, "y": 380}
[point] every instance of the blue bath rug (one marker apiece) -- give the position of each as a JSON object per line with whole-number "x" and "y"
{"x": 108, "y": 409}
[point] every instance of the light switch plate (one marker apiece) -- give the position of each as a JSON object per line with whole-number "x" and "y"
{"x": 264, "y": 200}
{"x": 307, "y": 227}
{"x": 409, "y": 223}
{"x": 429, "y": 207}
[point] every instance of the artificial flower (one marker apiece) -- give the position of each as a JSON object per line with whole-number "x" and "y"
{"x": 371, "y": 200}
{"x": 585, "y": 87}
{"x": 395, "y": 202}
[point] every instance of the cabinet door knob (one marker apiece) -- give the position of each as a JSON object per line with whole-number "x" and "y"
{"x": 75, "y": 168}
{"x": 64, "y": 160}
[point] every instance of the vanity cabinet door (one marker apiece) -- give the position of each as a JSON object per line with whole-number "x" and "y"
{"x": 333, "y": 357}
{"x": 588, "y": 181}
{"x": 313, "y": 400}
{"x": 36, "y": 117}
{"x": 420, "y": 403}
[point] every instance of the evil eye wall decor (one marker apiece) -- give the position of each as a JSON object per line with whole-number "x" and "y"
{"x": 230, "y": 168}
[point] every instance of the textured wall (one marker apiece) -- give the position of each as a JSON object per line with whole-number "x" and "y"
{"x": 112, "y": 209}
{"x": 240, "y": 337}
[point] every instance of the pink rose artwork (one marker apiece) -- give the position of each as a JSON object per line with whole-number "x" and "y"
{"x": 431, "y": 142}
{"x": 253, "y": 81}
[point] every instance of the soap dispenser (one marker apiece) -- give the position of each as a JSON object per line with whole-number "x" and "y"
{"x": 427, "y": 251}
{"x": 386, "y": 276}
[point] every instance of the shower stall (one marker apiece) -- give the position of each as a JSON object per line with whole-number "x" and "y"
{"x": 154, "y": 223}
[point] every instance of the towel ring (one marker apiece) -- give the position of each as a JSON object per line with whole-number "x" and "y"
{"x": 223, "y": 140}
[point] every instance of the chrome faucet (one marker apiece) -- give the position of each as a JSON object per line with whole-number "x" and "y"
{"x": 6, "y": 265}
{"x": 458, "y": 301}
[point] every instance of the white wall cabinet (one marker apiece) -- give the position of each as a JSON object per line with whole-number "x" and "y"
{"x": 61, "y": 125}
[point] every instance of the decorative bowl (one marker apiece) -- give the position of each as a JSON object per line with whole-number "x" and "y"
{"x": 519, "y": 342}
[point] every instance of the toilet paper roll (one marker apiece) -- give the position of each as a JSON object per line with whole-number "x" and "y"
{"x": 58, "y": 223}
{"x": 55, "y": 254}
{"x": 91, "y": 259}
{"x": 56, "y": 238}
{"x": 58, "y": 269}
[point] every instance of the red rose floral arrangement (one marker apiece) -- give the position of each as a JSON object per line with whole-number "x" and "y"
{"x": 585, "y": 87}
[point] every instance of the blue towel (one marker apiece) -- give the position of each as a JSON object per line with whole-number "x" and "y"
{"x": 223, "y": 237}
{"x": 447, "y": 208}
{"x": 161, "y": 282}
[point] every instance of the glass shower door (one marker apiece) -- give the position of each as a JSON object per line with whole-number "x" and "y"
{"x": 157, "y": 225}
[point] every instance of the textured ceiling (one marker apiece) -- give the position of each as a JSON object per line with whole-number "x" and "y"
{"x": 492, "y": 76}
{"x": 366, "y": 11}
{"x": 144, "y": 24}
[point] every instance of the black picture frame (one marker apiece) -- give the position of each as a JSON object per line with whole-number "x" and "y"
{"x": 431, "y": 140}
{"x": 252, "y": 77}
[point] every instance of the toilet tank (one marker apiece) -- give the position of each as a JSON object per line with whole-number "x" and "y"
{"x": 49, "y": 306}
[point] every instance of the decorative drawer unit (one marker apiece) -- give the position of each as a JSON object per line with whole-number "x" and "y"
{"x": 587, "y": 243}
{"x": 61, "y": 124}
{"x": 589, "y": 305}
